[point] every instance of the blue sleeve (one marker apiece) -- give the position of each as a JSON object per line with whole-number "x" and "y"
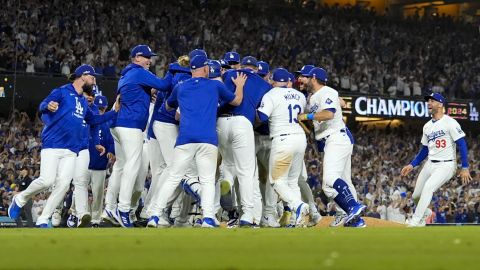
{"x": 229, "y": 85}
{"x": 55, "y": 95}
{"x": 93, "y": 119}
{"x": 462, "y": 147}
{"x": 172, "y": 100}
{"x": 95, "y": 130}
{"x": 150, "y": 80}
{"x": 420, "y": 156}
{"x": 225, "y": 95}
{"x": 263, "y": 117}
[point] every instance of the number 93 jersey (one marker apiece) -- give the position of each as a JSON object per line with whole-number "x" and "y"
{"x": 282, "y": 105}
{"x": 440, "y": 137}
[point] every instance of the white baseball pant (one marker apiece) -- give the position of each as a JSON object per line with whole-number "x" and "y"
{"x": 337, "y": 163}
{"x": 431, "y": 178}
{"x": 236, "y": 139}
{"x": 205, "y": 157}
{"x": 128, "y": 151}
{"x": 157, "y": 165}
{"x": 286, "y": 161}
{"x": 97, "y": 180}
{"x": 306, "y": 191}
{"x": 81, "y": 181}
{"x": 56, "y": 168}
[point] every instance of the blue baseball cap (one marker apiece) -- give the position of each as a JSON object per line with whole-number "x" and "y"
{"x": 215, "y": 69}
{"x": 249, "y": 61}
{"x": 437, "y": 97}
{"x": 262, "y": 68}
{"x": 224, "y": 64}
{"x": 305, "y": 70}
{"x": 85, "y": 70}
{"x": 198, "y": 61}
{"x": 101, "y": 101}
{"x": 197, "y": 52}
{"x": 318, "y": 73}
{"x": 281, "y": 75}
{"x": 292, "y": 77}
{"x": 232, "y": 58}
{"x": 142, "y": 50}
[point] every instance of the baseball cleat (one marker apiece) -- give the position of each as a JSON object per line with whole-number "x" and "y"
{"x": 14, "y": 209}
{"x": 198, "y": 223}
{"x": 314, "y": 219}
{"x": 133, "y": 217}
{"x": 302, "y": 215}
{"x": 209, "y": 223}
{"x": 123, "y": 219}
{"x": 339, "y": 219}
{"x": 84, "y": 221}
{"x": 245, "y": 224}
{"x": 43, "y": 226}
{"x": 269, "y": 221}
{"x": 152, "y": 222}
{"x": 95, "y": 225}
{"x": 355, "y": 212}
{"x": 109, "y": 217}
{"x": 285, "y": 218}
{"x": 356, "y": 223}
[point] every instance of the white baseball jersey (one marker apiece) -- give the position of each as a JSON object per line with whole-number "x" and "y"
{"x": 326, "y": 98}
{"x": 283, "y": 105}
{"x": 440, "y": 137}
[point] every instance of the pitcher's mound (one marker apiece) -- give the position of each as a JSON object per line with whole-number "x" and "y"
{"x": 371, "y": 223}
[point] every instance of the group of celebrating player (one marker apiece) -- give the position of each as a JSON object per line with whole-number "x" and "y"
{"x": 227, "y": 134}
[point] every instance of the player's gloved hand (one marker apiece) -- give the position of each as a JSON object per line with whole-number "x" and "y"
{"x": 240, "y": 80}
{"x": 52, "y": 106}
{"x": 406, "y": 170}
{"x": 465, "y": 176}
{"x": 100, "y": 149}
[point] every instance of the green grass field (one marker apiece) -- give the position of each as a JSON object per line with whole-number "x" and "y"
{"x": 315, "y": 248}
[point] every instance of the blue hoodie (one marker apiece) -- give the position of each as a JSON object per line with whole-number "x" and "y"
{"x": 134, "y": 87}
{"x": 253, "y": 91}
{"x": 64, "y": 129}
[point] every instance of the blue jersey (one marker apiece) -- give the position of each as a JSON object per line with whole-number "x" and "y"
{"x": 135, "y": 86}
{"x": 64, "y": 129}
{"x": 98, "y": 162}
{"x": 89, "y": 132}
{"x": 253, "y": 91}
{"x": 198, "y": 100}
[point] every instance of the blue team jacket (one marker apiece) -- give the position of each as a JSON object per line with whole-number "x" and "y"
{"x": 64, "y": 128}
{"x": 253, "y": 91}
{"x": 98, "y": 162}
{"x": 134, "y": 87}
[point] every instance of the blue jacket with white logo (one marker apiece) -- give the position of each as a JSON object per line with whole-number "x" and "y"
{"x": 134, "y": 87}
{"x": 253, "y": 91}
{"x": 64, "y": 129}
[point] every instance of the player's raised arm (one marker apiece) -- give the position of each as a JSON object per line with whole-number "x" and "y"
{"x": 239, "y": 82}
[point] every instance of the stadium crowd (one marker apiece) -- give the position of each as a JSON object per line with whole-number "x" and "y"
{"x": 363, "y": 52}
{"x": 378, "y": 156}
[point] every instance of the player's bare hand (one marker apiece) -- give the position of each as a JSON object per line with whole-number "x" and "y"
{"x": 100, "y": 149}
{"x": 111, "y": 157}
{"x": 406, "y": 170}
{"x": 465, "y": 176}
{"x": 117, "y": 104}
{"x": 52, "y": 106}
{"x": 240, "y": 80}
{"x": 153, "y": 96}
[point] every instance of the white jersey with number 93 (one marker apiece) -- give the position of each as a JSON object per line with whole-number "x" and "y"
{"x": 440, "y": 137}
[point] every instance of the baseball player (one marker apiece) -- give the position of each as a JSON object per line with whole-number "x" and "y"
{"x": 236, "y": 136}
{"x": 98, "y": 163}
{"x": 64, "y": 112}
{"x": 440, "y": 136}
{"x": 197, "y": 141}
{"x": 336, "y": 141}
{"x": 232, "y": 59}
{"x": 263, "y": 70}
{"x": 134, "y": 86}
{"x": 280, "y": 107}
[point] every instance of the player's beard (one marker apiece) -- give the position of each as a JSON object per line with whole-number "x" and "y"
{"x": 87, "y": 89}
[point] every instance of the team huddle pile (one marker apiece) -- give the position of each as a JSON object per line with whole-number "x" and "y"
{"x": 231, "y": 126}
